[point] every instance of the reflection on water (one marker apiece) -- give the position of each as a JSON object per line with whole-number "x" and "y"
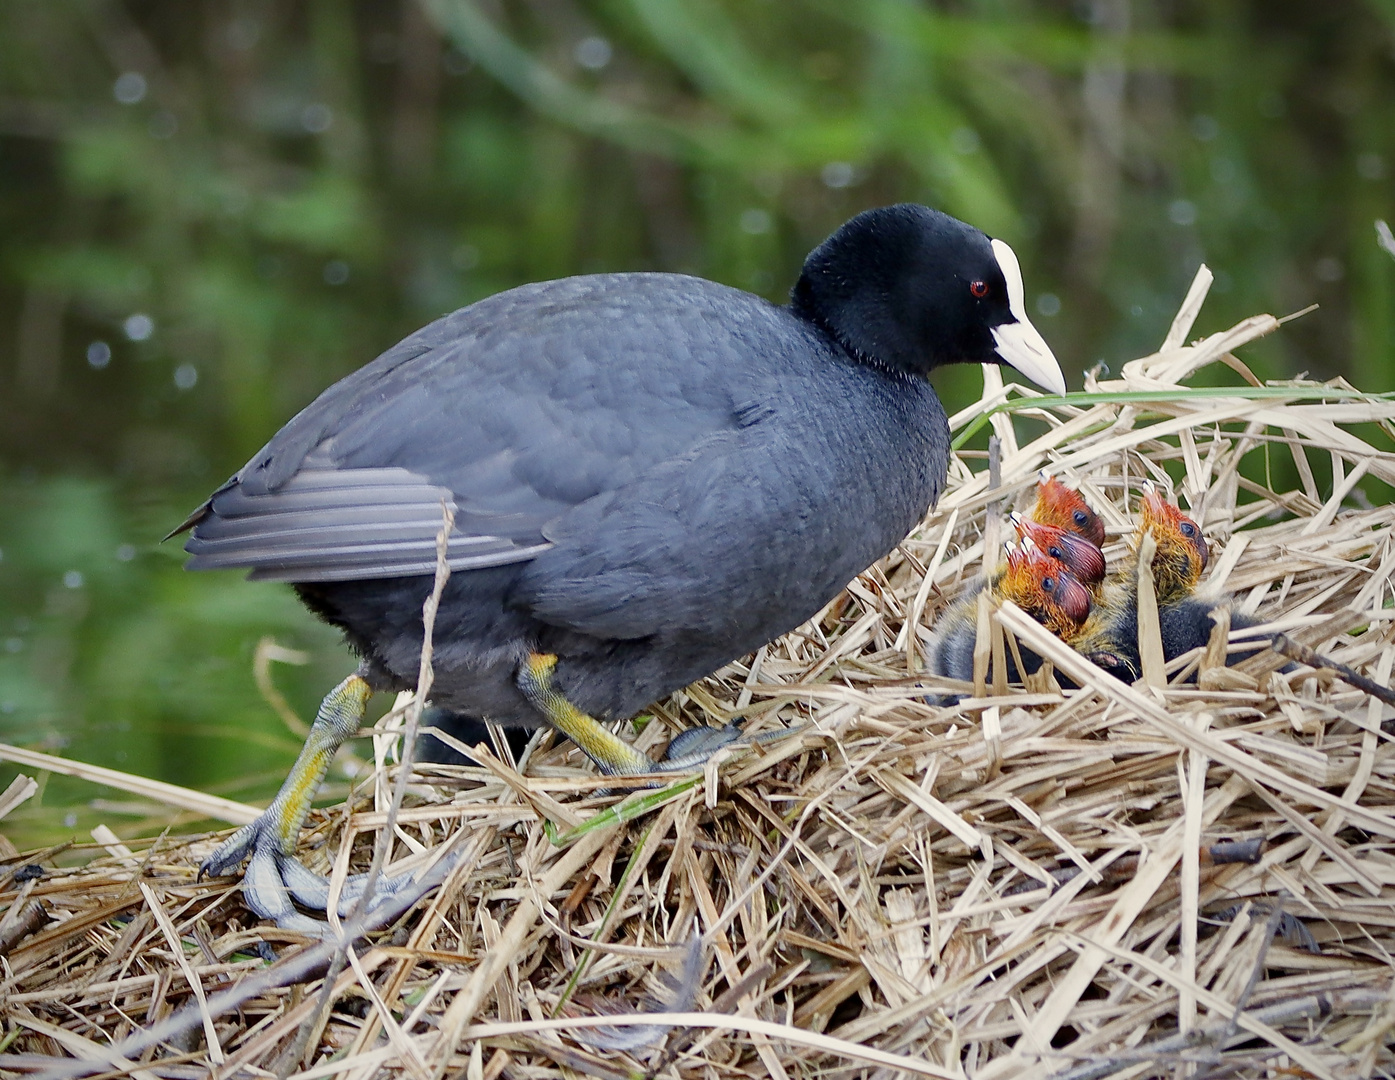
{"x": 111, "y": 653}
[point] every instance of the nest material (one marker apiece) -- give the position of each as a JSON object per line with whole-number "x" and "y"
{"x": 1029, "y": 883}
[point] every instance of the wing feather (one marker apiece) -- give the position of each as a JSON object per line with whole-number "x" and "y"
{"x": 345, "y": 524}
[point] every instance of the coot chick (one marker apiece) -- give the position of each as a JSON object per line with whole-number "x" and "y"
{"x": 1110, "y": 638}
{"x": 1039, "y": 584}
{"x": 1083, "y": 559}
{"x": 1066, "y": 509}
{"x": 651, "y": 475}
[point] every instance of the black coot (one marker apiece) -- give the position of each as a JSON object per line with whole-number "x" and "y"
{"x": 651, "y": 475}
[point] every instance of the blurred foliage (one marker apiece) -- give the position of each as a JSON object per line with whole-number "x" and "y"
{"x": 210, "y": 212}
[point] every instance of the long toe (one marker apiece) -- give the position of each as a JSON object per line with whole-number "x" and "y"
{"x": 690, "y": 749}
{"x": 272, "y": 879}
{"x": 312, "y": 891}
{"x": 264, "y": 891}
{"x": 230, "y": 852}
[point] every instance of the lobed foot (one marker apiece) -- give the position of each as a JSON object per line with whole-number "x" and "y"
{"x": 275, "y": 881}
{"x": 273, "y": 876}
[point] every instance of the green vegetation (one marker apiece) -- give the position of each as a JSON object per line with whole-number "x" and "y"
{"x": 210, "y": 212}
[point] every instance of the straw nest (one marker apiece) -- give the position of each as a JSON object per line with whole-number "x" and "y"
{"x": 1033, "y": 882}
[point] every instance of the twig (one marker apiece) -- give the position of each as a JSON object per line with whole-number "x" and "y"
{"x": 269, "y": 651}
{"x": 1311, "y": 1007}
{"x": 1294, "y": 650}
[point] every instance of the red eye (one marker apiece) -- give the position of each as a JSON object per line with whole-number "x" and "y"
{"x": 979, "y": 288}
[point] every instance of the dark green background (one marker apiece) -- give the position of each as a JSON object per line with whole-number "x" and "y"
{"x": 285, "y": 188}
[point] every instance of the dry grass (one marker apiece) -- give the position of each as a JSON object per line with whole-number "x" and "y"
{"x": 1019, "y": 886}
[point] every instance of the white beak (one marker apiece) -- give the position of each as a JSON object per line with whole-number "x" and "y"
{"x": 1019, "y": 342}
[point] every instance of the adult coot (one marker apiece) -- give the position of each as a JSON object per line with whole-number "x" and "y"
{"x": 651, "y": 475}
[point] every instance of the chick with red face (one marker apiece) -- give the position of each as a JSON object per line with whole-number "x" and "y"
{"x": 1041, "y": 585}
{"x": 1082, "y": 558}
{"x": 1066, "y": 509}
{"x": 1181, "y": 553}
{"x": 1110, "y": 636}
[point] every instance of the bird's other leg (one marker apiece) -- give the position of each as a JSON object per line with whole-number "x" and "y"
{"x": 612, "y": 755}
{"x": 273, "y": 876}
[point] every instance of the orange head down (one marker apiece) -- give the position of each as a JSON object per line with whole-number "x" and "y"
{"x": 1182, "y": 553}
{"x": 1066, "y": 509}
{"x": 1083, "y": 559}
{"x": 1045, "y": 589}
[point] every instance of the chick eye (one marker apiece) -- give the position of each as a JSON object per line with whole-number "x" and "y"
{"x": 979, "y": 288}
{"x": 1188, "y": 529}
{"x": 1081, "y": 518}
{"x": 1048, "y": 584}
{"x": 1056, "y": 553}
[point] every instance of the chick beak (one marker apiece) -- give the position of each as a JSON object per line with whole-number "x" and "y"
{"x": 1075, "y": 599}
{"x": 1018, "y": 342}
{"x": 1083, "y": 559}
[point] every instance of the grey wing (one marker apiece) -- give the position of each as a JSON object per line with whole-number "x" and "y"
{"x": 327, "y": 524}
{"x": 511, "y": 413}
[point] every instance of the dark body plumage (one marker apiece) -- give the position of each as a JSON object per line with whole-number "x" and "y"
{"x": 645, "y": 512}
{"x": 649, "y": 475}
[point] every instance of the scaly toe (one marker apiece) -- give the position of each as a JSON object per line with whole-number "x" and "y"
{"x": 690, "y": 749}
{"x": 230, "y": 852}
{"x": 271, "y": 878}
{"x": 310, "y": 890}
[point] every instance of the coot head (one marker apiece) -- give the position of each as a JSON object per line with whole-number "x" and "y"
{"x": 908, "y": 288}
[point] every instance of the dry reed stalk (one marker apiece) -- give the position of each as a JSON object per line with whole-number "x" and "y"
{"x": 1027, "y": 884}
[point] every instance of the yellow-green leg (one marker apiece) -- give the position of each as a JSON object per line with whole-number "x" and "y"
{"x": 612, "y": 755}
{"x": 274, "y": 875}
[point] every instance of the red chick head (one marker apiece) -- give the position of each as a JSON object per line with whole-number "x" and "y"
{"x": 1045, "y": 589}
{"x": 1182, "y": 552}
{"x": 1083, "y": 559}
{"x": 1066, "y": 509}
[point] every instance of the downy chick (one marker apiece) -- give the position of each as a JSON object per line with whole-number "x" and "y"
{"x": 1040, "y": 585}
{"x": 1067, "y": 510}
{"x": 1110, "y": 636}
{"x": 1080, "y": 556}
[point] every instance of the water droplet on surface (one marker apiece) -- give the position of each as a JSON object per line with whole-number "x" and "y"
{"x": 1182, "y": 212}
{"x": 755, "y": 221}
{"x": 1205, "y": 128}
{"x": 316, "y": 117}
{"x": 837, "y": 174}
